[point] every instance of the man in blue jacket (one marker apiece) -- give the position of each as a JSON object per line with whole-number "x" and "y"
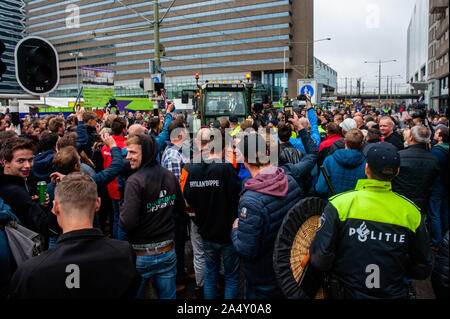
{"x": 344, "y": 167}
{"x": 313, "y": 127}
{"x": 438, "y": 212}
{"x": 266, "y": 199}
{"x": 7, "y": 263}
{"x": 42, "y": 166}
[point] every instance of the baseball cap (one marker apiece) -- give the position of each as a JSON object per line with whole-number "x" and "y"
{"x": 233, "y": 118}
{"x": 348, "y": 124}
{"x": 382, "y": 156}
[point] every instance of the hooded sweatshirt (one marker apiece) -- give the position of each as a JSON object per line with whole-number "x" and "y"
{"x": 152, "y": 195}
{"x": 270, "y": 181}
{"x": 43, "y": 165}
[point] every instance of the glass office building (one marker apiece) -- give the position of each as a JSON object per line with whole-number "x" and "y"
{"x": 219, "y": 39}
{"x": 12, "y": 26}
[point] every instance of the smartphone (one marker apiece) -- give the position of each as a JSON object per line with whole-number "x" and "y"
{"x": 288, "y": 111}
{"x": 301, "y": 97}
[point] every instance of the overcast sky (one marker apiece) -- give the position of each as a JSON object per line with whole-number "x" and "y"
{"x": 363, "y": 30}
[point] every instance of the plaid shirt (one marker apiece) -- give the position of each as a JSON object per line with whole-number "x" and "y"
{"x": 172, "y": 160}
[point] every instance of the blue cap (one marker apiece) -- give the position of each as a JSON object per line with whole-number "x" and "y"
{"x": 383, "y": 156}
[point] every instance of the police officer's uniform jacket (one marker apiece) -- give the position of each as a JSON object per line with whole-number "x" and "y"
{"x": 369, "y": 240}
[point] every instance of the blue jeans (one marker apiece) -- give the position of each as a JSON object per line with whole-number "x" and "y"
{"x": 438, "y": 215}
{"x": 212, "y": 252}
{"x": 262, "y": 291}
{"x": 117, "y": 233}
{"x": 163, "y": 268}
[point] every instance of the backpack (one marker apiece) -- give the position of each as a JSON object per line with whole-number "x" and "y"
{"x": 23, "y": 243}
{"x": 7, "y": 263}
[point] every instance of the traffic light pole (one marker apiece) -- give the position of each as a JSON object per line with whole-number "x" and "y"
{"x": 76, "y": 66}
{"x": 156, "y": 32}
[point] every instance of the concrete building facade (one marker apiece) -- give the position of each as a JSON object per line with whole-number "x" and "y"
{"x": 326, "y": 77}
{"x": 219, "y": 39}
{"x": 438, "y": 53}
{"x": 417, "y": 50}
{"x": 12, "y": 27}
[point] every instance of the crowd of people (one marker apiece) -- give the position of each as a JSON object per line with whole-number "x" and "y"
{"x": 126, "y": 192}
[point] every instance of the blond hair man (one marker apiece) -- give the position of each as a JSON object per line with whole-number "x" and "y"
{"x": 83, "y": 264}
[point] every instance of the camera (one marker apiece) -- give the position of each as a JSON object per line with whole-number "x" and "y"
{"x": 301, "y": 97}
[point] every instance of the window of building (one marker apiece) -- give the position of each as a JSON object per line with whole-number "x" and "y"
{"x": 422, "y": 73}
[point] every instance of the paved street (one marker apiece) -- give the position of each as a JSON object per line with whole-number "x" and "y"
{"x": 423, "y": 288}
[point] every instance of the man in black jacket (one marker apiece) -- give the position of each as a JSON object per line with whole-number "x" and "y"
{"x": 418, "y": 169}
{"x": 17, "y": 160}
{"x": 388, "y": 134}
{"x": 212, "y": 189}
{"x": 288, "y": 153}
{"x": 84, "y": 263}
{"x": 152, "y": 196}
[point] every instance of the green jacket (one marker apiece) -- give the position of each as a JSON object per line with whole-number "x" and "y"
{"x": 370, "y": 239}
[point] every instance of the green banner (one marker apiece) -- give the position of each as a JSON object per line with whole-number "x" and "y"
{"x": 96, "y": 98}
{"x": 54, "y": 109}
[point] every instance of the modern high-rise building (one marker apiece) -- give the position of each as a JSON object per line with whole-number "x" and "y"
{"x": 417, "y": 50}
{"x": 438, "y": 51}
{"x": 417, "y": 43}
{"x": 12, "y": 26}
{"x": 219, "y": 39}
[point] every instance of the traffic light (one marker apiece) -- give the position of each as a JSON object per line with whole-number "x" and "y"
{"x": 37, "y": 66}
{"x": 159, "y": 87}
{"x": 184, "y": 97}
{"x": 2, "y": 65}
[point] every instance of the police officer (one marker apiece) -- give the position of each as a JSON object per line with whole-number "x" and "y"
{"x": 371, "y": 238}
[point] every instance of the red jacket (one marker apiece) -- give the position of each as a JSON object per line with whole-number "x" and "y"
{"x": 113, "y": 188}
{"x": 329, "y": 140}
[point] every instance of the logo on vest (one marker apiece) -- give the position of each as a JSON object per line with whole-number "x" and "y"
{"x": 163, "y": 201}
{"x": 244, "y": 212}
{"x": 364, "y": 234}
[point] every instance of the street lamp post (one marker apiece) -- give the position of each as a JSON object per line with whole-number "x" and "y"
{"x": 379, "y": 75}
{"x": 77, "y": 54}
{"x": 307, "y": 52}
{"x": 284, "y": 72}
